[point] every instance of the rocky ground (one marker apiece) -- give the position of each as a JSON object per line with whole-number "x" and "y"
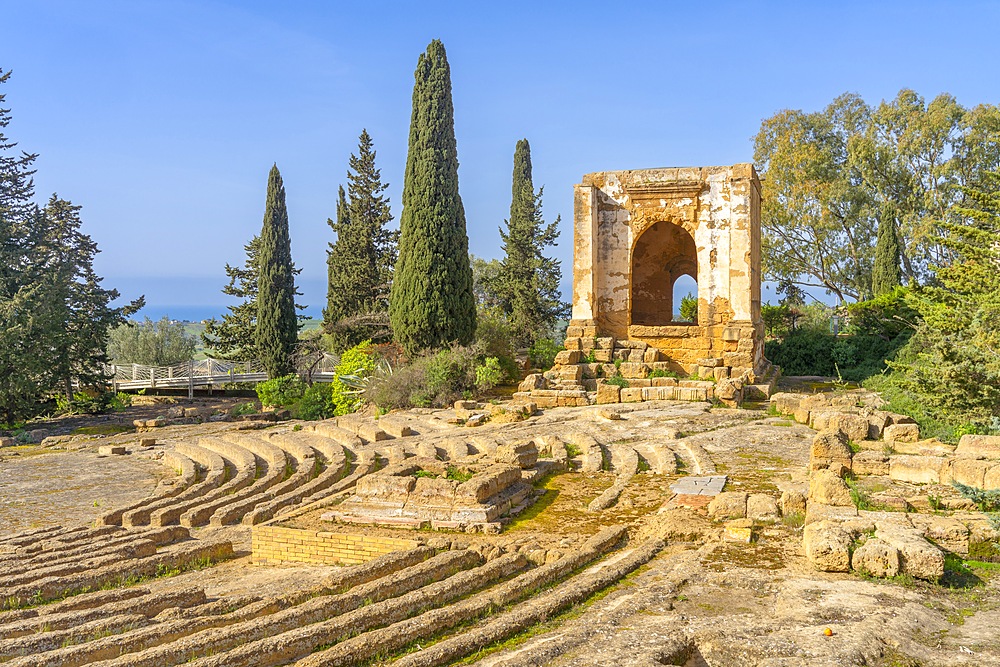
{"x": 704, "y": 600}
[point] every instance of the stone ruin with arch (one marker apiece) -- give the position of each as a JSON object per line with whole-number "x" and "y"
{"x": 636, "y": 233}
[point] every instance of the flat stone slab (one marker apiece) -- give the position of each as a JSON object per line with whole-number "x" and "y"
{"x": 699, "y": 486}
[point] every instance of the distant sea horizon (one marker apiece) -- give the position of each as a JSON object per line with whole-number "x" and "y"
{"x": 186, "y": 313}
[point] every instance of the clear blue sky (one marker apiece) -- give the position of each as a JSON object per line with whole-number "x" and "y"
{"x": 163, "y": 118}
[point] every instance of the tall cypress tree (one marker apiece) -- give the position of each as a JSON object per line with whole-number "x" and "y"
{"x": 360, "y": 263}
{"x": 886, "y": 274}
{"x": 277, "y": 327}
{"x": 432, "y": 302}
{"x": 528, "y": 282}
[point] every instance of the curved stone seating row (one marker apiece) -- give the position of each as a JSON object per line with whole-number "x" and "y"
{"x": 31, "y": 535}
{"x": 65, "y": 539}
{"x": 48, "y": 641}
{"x": 275, "y": 462}
{"x": 187, "y": 471}
{"x": 148, "y": 605}
{"x": 625, "y": 461}
{"x": 366, "y": 644}
{"x": 299, "y": 642}
{"x": 509, "y": 623}
{"x": 113, "y": 545}
{"x": 328, "y": 429}
{"x": 362, "y": 466}
{"x": 132, "y": 644}
{"x": 112, "y": 574}
{"x": 306, "y": 611}
{"x": 295, "y": 490}
{"x": 82, "y": 601}
{"x": 243, "y": 469}
{"x": 214, "y": 467}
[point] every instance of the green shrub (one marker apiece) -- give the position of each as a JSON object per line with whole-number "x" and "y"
{"x": 618, "y": 381}
{"x": 247, "y": 408}
{"x": 803, "y": 352}
{"x": 689, "y": 308}
{"x": 658, "y": 373}
{"x": 83, "y": 403}
{"x": 355, "y": 362}
{"x": 489, "y": 374}
{"x": 434, "y": 380}
{"x": 543, "y": 353}
{"x": 281, "y": 391}
{"x": 316, "y": 403}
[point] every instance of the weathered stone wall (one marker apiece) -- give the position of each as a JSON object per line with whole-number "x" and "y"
{"x": 276, "y": 544}
{"x": 636, "y": 232}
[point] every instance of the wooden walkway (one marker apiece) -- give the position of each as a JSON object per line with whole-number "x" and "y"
{"x": 207, "y": 373}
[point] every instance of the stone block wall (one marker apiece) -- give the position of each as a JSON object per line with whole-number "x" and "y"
{"x": 272, "y": 545}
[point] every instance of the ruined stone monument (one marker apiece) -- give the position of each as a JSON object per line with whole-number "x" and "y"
{"x": 636, "y": 233}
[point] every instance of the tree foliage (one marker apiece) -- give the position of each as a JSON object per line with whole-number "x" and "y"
{"x": 149, "y": 343}
{"x": 277, "y": 324}
{"x": 431, "y": 302}
{"x": 235, "y": 335}
{"x": 952, "y": 362}
{"x": 54, "y": 313}
{"x": 832, "y": 178}
{"x": 360, "y": 263}
{"x": 886, "y": 275}
{"x": 527, "y": 283}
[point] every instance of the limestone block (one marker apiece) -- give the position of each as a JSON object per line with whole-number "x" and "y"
{"x": 827, "y": 546}
{"x": 533, "y": 382}
{"x": 820, "y": 512}
{"x": 620, "y": 353}
{"x": 605, "y": 343}
{"x": 870, "y": 463}
{"x": 636, "y": 356}
{"x": 895, "y": 418}
{"x": 524, "y": 455}
{"x": 7, "y": 442}
{"x": 742, "y": 359}
{"x": 916, "y": 469}
{"x": 877, "y": 421}
{"x": 918, "y": 557}
{"x": 634, "y": 370}
{"x": 979, "y": 446}
{"x": 640, "y": 382}
{"x": 728, "y": 505}
{"x": 464, "y": 409}
{"x": 651, "y": 355}
{"x": 663, "y": 382}
{"x": 705, "y": 372}
{"x": 720, "y": 373}
{"x": 602, "y": 356}
{"x": 830, "y": 447}
{"x": 433, "y": 491}
{"x": 991, "y": 480}
{"x": 572, "y": 373}
{"x": 567, "y": 357}
{"x": 786, "y": 403}
{"x": 876, "y": 558}
{"x": 710, "y": 362}
{"x": 730, "y": 389}
{"x": 929, "y": 447}
{"x": 111, "y": 450}
{"x": 828, "y": 488}
{"x": 971, "y": 472}
{"x": 608, "y": 393}
{"x": 659, "y": 393}
{"x": 945, "y": 531}
{"x": 631, "y": 395}
{"x": 762, "y": 507}
{"x": 574, "y": 331}
{"x": 740, "y": 530}
{"x": 385, "y": 486}
{"x": 901, "y": 433}
{"x": 573, "y": 343}
{"x": 793, "y": 502}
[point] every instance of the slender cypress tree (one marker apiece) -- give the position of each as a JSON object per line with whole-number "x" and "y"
{"x": 360, "y": 263}
{"x": 432, "y": 302}
{"x": 886, "y": 275}
{"x": 277, "y": 326}
{"x": 528, "y": 282}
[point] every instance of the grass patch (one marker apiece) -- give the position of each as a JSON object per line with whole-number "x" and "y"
{"x": 573, "y": 450}
{"x": 457, "y": 474}
{"x": 103, "y": 429}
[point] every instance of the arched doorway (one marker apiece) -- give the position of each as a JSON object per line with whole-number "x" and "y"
{"x": 661, "y": 255}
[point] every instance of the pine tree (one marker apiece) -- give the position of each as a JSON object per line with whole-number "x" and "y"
{"x": 277, "y": 325}
{"x": 82, "y": 316}
{"x": 886, "y": 274}
{"x": 235, "y": 336}
{"x": 432, "y": 302}
{"x": 528, "y": 281}
{"x": 360, "y": 263}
